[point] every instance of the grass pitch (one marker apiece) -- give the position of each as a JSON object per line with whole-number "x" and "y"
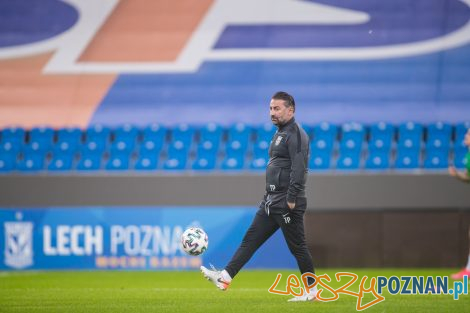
{"x": 114, "y": 292}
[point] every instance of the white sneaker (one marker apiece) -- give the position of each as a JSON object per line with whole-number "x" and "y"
{"x": 215, "y": 277}
{"x": 312, "y": 296}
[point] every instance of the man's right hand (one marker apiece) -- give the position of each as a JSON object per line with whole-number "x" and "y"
{"x": 453, "y": 171}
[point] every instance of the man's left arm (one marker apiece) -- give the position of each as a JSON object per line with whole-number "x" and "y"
{"x": 298, "y": 168}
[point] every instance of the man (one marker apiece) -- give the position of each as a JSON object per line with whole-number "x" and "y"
{"x": 284, "y": 201}
{"x": 465, "y": 177}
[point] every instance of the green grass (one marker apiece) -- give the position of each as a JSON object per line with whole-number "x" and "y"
{"x": 189, "y": 292}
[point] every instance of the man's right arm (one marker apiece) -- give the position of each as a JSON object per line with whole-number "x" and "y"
{"x": 463, "y": 176}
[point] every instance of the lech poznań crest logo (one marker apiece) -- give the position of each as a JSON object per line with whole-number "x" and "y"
{"x": 18, "y": 244}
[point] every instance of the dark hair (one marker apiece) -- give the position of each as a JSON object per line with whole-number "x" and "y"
{"x": 289, "y": 100}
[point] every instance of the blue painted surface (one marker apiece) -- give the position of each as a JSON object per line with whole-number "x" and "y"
{"x": 423, "y": 88}
{"x": 26, "y": 21}
{"x": 392, "y": 22}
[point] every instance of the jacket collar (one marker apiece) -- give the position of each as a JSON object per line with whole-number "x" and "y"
{"x": 283, "y": 126}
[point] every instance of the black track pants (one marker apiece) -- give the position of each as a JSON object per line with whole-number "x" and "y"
{"x": 262, "y": 227}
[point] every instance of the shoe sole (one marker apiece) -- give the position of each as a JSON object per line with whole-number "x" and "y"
{"x": 315, "y": 299}
{"x": 209, "y": 279}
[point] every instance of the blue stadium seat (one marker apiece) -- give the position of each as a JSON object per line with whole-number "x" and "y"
{"x": 175, "y": 163}
{"x": 382, "y": 131}
{"x": 44, "y": 136}
{"x": 437, "y": 142}
{"x": 65, "y": 148}
{"x": 126, "y": 133}
{"x": 322, "y": 144}
{"x": 353, "y": 131}
{"x": 98, "y": 133}
{"x": 378, "y": 160}
{"x": 383, "y": 144}
{"x": 459, "y": 145}
{"x": 204, "y": 163}
{"x": 350, "y": 146}
{"x": 407, "y": 159}
{"x": 146, "y": 162}
{"x": 122, "y": 147}
{"x": 72, "y": 136}
{"x": 410, "y": 130}
{"x": 326, "y": 131}
{"x": 436, "y": 159}
{"x": 150, "y": 147}
{"x": 8, "y": 146}
{"x": 412, "y": 143}
{"x": 90, "y": 162}
{"x": 211, "y": 132}
{"x": 439, "y": 129}
{"x": 233, "y": 163}
{"x": 155, "y": 133}
{"x": 240, "y": 132}
{"x": 178, "y": 149}
{"x": 236, "y": 148}
{"x": 438, "y": 137}
{"x": 36, "y": 147}
{"x": 259, "y": 163}
{"x": 31, "y": 162}
{"x": 13, "y": 134}
{"x": 348, "y": 161}
{"x": 184, "y": 133}
{"x": 208, "y": 149}
{"x": 265, "y": 132}
{"x": 461, "y": 129}
{"x": 261, "y": 149}
{"x": 320, "y": 161}
{"x": 308, "y": 130}
{"x": 61, "y": 162}
{"x": 94, "y": 146}
{"x": 381, "y": 137}
{"x": 460, "y": 160}
{"x": 117, "y": 162}
{"x": 7, "y": 161}
{"x": 353, "y": 144}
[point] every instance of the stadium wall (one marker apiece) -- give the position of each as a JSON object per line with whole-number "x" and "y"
{"x": 354, "y": 220}
{"x": 348, "y": 191}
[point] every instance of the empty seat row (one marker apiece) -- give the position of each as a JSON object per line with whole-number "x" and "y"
{"x": 37, "y": 162}
{"x": 240, "y": 146}
{"x": 374, "y": 160}
{"x": 240, "y": 132}
{"x": 351, "y": 161}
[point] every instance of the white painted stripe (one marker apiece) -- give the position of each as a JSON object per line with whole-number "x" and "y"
{"x": 453, "y": 40}
{"x": 93, "y": 13}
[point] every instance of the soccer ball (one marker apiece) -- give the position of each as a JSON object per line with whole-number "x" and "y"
{"x": 194, "y": 241}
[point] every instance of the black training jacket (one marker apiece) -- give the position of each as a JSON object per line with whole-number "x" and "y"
{"x": 286, "y": 173}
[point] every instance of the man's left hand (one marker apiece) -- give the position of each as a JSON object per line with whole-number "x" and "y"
{"x": 291, "y": 205}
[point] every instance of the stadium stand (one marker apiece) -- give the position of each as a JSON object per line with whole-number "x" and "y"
{"x": 351, "y": 146}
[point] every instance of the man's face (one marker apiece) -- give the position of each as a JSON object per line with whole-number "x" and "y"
{"x": 466, "y": 140}
{"x": 280, "y": 113}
